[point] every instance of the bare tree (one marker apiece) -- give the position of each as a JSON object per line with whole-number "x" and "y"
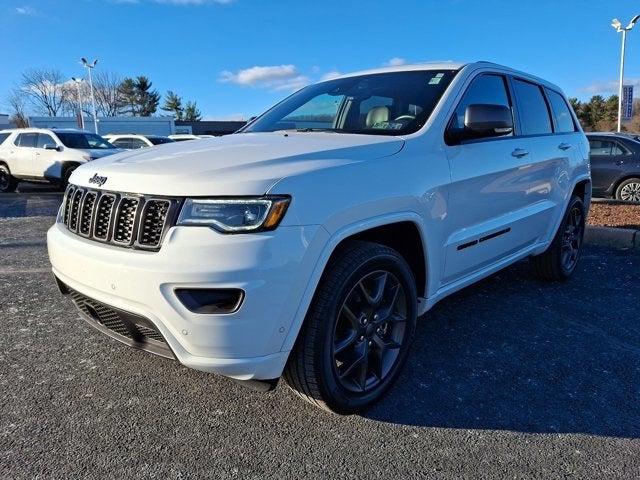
{"x": 45, "y": 89}
{"x": 17, "y": 103}
{"x": 106, "y": 92}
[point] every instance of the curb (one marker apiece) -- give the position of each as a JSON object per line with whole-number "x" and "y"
{"x": 612, "y": 237}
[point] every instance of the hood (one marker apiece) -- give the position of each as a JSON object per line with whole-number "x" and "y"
{"x": 240, "y": 164}
{"x": 96, "y": 153}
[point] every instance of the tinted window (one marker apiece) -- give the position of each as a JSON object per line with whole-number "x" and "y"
{"x": 159, "y": 140}
{"x": 83, "y": 141}
{"x": 3, "y": 137}
{"x": 604, "y": 148}
{"x": 534, "y": 114}
{"x": 485, "y": 89}
{"x": 137, "y": 143}
{"x": 561, "y": 112}
{"x": 27, "y": 139}
{"x": 122, "y": 143}
{"x": 394, "y": 103}
{"x": 44, "y": 139}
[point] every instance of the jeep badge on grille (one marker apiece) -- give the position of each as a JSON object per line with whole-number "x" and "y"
{"x": 97, "y": 179}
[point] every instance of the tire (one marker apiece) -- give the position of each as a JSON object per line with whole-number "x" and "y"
{"x": 345, "y": 323}
{"x": 8, "y": 183}
{"x": 66, "y": 173}
{"x": 559, "y": 261}
{"x": 629, "y": 190}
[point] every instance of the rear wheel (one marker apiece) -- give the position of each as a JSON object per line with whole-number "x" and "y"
{"x": 629, "y": 190}
{"x": 8, "y": 183}
{"x": 358, "y": 330}
{"x": 561, "y": 258}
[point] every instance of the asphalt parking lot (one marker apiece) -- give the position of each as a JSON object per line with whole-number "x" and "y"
{"x": 509, "y": 378}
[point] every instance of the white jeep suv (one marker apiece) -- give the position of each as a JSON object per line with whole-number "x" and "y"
{"x": 308, "y": 244}
{"x": 45, "y": 155}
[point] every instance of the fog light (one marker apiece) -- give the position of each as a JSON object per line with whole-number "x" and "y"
{"x": 210, "y": 300}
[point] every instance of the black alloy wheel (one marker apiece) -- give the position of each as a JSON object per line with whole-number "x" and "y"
{"x": 572, "y": 238}
{"x": 369, "y": 331}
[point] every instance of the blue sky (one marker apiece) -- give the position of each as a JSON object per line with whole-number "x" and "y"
{"x": 237, "y": 57}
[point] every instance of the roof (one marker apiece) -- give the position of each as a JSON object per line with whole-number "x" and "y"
{"x": 448, "y": 65}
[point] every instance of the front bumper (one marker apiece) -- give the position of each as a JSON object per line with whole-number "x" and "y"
{"x": 272, "y": 268}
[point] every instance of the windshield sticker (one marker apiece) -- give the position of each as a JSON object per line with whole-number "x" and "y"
{"x": 436, "y": 80}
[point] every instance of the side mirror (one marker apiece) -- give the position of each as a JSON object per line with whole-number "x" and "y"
{"x": 52, "y": 146}
{"x": 485, "y": 120}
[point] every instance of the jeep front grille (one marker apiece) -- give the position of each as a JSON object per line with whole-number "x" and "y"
{"x": 125, "y": 220}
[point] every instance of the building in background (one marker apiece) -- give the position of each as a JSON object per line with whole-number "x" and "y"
{"x": 106, "y": 125}
{"x": 4, "y": 121}
{"x": 209, "y": 127}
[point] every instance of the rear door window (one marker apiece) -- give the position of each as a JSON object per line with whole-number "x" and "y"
{"x": 606, "y": 148}
{"x": 561, "y": 112}
{"x": 532, "y": 108}
{"x": 122, "y": 143}
{"x": 137, "y": 143}
{"x": 27, "y": 140}
{"x": 3, "y": 137}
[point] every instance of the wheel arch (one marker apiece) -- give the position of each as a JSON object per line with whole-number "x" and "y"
{"x": 583, "y": 189}
{"x": 617, "y": 183}
{"x": 379, "y": 229}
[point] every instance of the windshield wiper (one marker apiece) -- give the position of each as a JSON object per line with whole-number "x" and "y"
{"x": 310, "y": 129}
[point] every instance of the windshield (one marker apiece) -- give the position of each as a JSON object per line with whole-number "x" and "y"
{"x": 396, "y": 103}
{"x": 85, "y": 141}
{"x": 159, "y": 140}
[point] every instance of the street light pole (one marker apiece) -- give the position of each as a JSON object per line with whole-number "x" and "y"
{"x": 90, "y": 67}
{"x": 78, "y": 82}
{"x": 615, "y": 23}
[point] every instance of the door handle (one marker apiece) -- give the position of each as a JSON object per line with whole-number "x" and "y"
{"x": 564, "y": 146}
{"x": 519, "y": 153}
{"x": 620, "y": 162}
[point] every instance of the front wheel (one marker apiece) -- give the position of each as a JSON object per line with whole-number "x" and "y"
{"x": 358, "y": 330}
{"x": 66, "y": 174}
{"x": 561, "y": 258}
{"x": 8, "y": 183}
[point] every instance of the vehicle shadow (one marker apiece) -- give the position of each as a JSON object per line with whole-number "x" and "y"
{"x": 513, "y": 353}
{"x": 30, "y": 203}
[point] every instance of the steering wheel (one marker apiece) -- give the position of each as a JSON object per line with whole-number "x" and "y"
{"x": 405, "y": 118}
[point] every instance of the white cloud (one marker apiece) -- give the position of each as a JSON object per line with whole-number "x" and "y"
{"x": 608, "y": 87}
{"x": 26, "y": 10}
{"x": 394, "y": 62}
{"x": 331, "y": 75}
{"x": 274, "y": 77}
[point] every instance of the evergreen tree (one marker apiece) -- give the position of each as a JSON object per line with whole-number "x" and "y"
{"x": 173, "y": 104}
{"x": 127, "y": 97}
{"x": 191, "y": 112}
{"x": 147, "y": 99}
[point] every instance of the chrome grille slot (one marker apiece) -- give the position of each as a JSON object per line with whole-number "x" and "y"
{"x": 86, "y": 213}
{"x": 121, "y": 219}
{"x": 74, "y": 210}
{"x": 152, "y": 223}
{"x": 68, "y": 196}
{"x": 125, "y": 220}
{"x": 103, "y": 216}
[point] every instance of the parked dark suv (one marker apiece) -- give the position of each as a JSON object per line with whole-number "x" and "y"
{"x": 615, "y": 166}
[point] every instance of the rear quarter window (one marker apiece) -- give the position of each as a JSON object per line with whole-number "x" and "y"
{"x": 3, "y": 137}
{"x": 561, "y": 112}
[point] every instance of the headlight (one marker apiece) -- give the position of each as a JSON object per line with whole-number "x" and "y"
{"x": 235, "y": 215}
